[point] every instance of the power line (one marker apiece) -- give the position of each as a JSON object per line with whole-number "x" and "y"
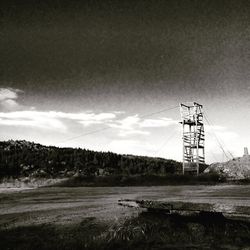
{"x": 215, "y": 157}
{"x": 165, "y": 142}
{"x": 158, "y": 112}
{"x": 100, "y": 130}
{"x": 217, "y": 139}
{"x": 220, "y": 145}
{"x": 225, "y": 147}
{"x": 82, "y": 135}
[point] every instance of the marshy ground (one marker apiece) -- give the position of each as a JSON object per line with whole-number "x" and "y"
{"x": 89, "y": 218}
{"x": 146, "y": 231}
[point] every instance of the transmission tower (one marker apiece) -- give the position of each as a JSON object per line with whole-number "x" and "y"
{"x": 193, "y": 137}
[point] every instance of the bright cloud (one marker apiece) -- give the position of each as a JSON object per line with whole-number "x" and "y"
{"x": 39, "y": 122}
{"x": 132, "y": 125}
{"x": 8, "y": 93}
{"x": 124, "y": 133}
{"x": 8, "y": 98}
{"x": 127, "y": 123}
{"x": 51, "y": 119}
{"x": 128, "y": 126}
{"x": 156, "y": 123}
{"x": 43, "y": 119}
{"x": 82, "y": 116}
{"x": 31, "y": 119}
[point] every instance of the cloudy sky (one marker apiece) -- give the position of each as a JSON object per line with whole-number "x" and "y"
{"x": 89, "y": 73}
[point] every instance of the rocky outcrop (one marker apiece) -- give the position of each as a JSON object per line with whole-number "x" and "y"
{"x": 237, "y": 168}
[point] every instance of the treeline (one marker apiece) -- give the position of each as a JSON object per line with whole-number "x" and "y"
{"x": 27, "y": 159}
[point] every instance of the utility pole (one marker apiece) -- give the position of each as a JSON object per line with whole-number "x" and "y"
{"x": 193, "y": 137}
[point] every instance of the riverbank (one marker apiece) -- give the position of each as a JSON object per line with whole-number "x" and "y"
{"x": 119, "y": 181}
{"x": 147, "y": 180}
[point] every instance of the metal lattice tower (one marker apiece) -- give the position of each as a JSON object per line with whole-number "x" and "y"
{"x": 193, "y": 137}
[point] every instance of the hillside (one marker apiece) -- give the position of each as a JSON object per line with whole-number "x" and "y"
{"x": 235, "y": 169}
{"x": 23, "y": 159}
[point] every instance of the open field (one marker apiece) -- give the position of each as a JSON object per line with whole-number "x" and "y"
{"x": 89, "y": 217}
{"x": 69, "y": 205}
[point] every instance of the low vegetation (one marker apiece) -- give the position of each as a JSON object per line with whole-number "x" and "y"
{"x": 30, "y": 160}
{"x": 147, "y": 231}
{"x": 33, "y": 165}
{"x": 141, "y": 180}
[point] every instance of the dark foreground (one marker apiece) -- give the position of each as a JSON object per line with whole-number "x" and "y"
{"x": 90, "y": 218}
{"x": 147, "y": 231}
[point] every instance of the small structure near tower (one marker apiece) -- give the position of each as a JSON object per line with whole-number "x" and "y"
{"x": 245, "y": 151}
{"x": 193, "y": 137}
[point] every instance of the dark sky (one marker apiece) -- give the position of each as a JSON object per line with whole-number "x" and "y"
{"x": 137, "y": 56}
{"x": 98, "y": 47}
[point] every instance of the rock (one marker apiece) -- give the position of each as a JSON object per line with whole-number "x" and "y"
{"x": 237, "y": 168}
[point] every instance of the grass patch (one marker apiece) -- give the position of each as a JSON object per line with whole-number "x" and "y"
{"x": 43, "y": 237}
{"x": 147, "y": 231}
{"x": 159, "y": 231}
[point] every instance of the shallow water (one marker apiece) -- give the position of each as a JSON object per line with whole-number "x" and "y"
{"x": 70, "y": 205}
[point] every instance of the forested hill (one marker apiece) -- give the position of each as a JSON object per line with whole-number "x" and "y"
{"x": 28, "y": 159}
